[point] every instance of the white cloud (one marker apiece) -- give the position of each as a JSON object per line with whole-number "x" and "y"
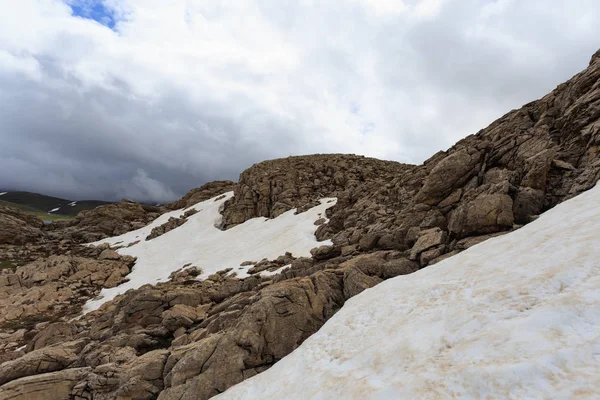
{"x": 384, "y": 7}
{"x": 190, "y": 90}
{"x": 142, "y": 186}
{"x": 27, "y": 65}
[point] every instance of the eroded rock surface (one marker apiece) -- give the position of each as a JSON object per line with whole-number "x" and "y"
{"x": 18, "y": 228}
{"x": 189, "y": 339}
{"x": 194, "y": 339}
{"x": 270, "y": 188}
{"x": 105, "y": 221}
{"x": 52, "y": 289}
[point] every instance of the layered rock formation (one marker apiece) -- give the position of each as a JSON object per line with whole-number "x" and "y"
{"x": 189, "y": 339}
{"x": 53, "y": 289}
{"x": 505, "y": 175}
{"x": 46, "y": 276}
{"x": 193, "y": 339}
{"x": 270, "y": 188}
{"x": 18, "y": 228}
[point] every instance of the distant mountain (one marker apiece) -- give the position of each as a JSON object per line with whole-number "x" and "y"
{"x": 39, "y": 203}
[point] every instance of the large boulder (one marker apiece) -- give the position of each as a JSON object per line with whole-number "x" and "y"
{"x": 537, "y": 168}
{"x": 272, "y": 187}
{"x": 47, "y": 359}
{"x": 485, "y": 214}
{"x": 451, "y": 172}
{"x": 527, "y": 204}
{"x": 50, "y": 386}
{"x": 171, "y": 224}
{"x": 427, "y": 239}
{"x": 355, "y": 281}
{"x": 18, "y": 228}
{"x": 54, "y": 333}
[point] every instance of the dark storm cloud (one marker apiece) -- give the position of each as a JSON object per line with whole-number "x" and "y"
{"x": 178, "y": 94}
{"x": 98, "y": 144}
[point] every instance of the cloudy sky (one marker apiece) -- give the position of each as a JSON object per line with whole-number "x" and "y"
{"x": 148, "y": 98}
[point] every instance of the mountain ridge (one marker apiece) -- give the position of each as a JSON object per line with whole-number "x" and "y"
{"x": 188, "y": 339}
{"x": 48, "y": 204}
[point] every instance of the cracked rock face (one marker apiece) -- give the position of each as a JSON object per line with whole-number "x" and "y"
{"x": 270, "y": 188}
{"x": 189, "y": 339}
{"x": 52, "y": 289}
{"x": 18, "y": 228}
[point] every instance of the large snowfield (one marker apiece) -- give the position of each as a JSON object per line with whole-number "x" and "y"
{"x": 517, "y": 317}
{"x": 198, "y": 242}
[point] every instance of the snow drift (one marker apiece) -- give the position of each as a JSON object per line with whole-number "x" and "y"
{"x": 517, "y": 316}
{"x": 199, "y": 242}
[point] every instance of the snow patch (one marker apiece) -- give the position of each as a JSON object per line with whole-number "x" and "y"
{"x": 54, "y": 210}
{"x": 73, "y": 204}
{"x": 3, "y": 193}
{"x": 275, "y": 272}
{"x": 200, "y": 243}
{"x": 517, "y": 316}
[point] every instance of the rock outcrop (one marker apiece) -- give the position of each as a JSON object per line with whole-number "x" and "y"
{"x": 53, "y": 385}
{"x": 105, "y": 221}
{"x": 194, "y": 339}
{"x": 204, "y": 192}
{"x": 270, "y": 188}
{"x": 171, "y": 224}
{"x": 47, "y": 359}
{"x": 118, "y": 218}
{"x": 494, "y": 181}
{"x": 190, "y": 339}
{"x": 18, "y": 228}
{"x": 53, "y": 289}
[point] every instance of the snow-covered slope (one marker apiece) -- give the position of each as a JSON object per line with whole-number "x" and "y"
{"x": 200, "y": 243}
{"x": 515, "y": 317}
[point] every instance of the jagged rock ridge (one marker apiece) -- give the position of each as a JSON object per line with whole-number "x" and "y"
{"x": 189, "y": 339}
{"x": 270, "y": 188}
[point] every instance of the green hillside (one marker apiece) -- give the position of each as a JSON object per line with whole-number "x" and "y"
{"x": 52, "y": 208}
{"x": 35, "y": 212}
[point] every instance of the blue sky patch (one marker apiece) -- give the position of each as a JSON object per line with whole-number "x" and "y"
{"x": 93, "y": 9}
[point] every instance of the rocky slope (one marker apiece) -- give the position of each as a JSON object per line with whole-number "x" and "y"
{"x": 270, "y": 188}
{"x": 190, "y": 339}
{"x": 18, "y": 228}
{"x": 47, "y": 276}
{"x": 104, "y": 221}
{"x": 515, "y": 317}
{"x": 204, "y": 192}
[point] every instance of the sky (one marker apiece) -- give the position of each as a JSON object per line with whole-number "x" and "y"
{"x": 146, "y": 99}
